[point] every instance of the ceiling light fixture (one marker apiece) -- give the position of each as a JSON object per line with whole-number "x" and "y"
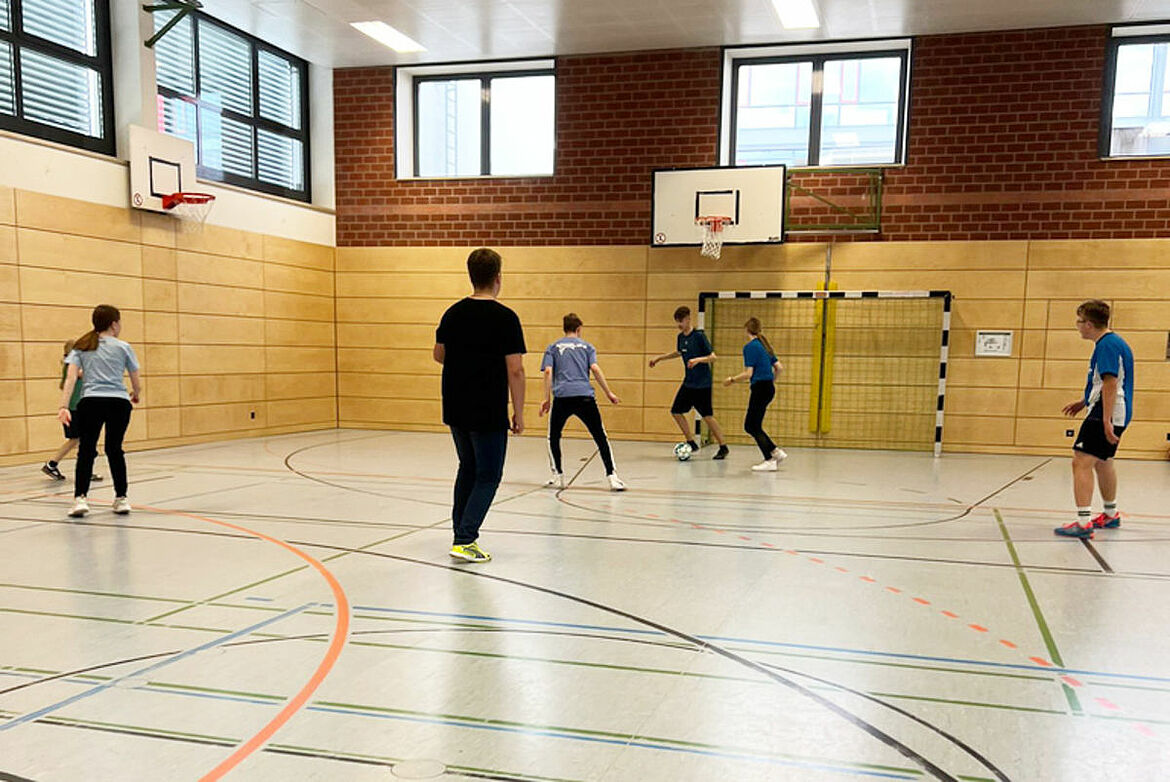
{"x": 797, "y": 14}
{"x": 388, "y": 36}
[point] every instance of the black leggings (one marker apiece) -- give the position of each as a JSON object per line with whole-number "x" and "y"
{"x": 753, "y": 422}
{"x": 94, "y": 412}
{"x": 585, "y": 408}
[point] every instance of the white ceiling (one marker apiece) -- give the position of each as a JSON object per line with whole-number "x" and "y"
{"x": 453, "y": 30}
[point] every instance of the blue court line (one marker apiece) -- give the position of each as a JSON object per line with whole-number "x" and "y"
{"x": 778, "y": 644}
{"x": 30, "y": 717}
{"x": 548, "y": 733}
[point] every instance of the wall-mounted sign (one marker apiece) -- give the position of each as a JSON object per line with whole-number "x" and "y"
{"x": 993, "y": 343}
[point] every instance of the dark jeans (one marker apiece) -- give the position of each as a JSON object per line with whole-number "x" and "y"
{"x": 753, "y": 422}
{"x": 585, "y": 408}
{"x": 94, "y": 412}
{"x": 481, "y": 465}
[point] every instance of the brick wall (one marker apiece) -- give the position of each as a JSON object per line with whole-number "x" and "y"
{"x": 1002, "y": 145}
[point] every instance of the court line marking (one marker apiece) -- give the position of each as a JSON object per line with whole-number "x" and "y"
{"x": 47, "y": 710}
{"x": 337, "y": 643}
{"x": 1096, "y": 555}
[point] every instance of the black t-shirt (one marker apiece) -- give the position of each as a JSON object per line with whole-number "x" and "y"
{"x": 477, "y": 334}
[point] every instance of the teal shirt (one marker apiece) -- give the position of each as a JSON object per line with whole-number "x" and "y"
{"x": 73, "y": 400}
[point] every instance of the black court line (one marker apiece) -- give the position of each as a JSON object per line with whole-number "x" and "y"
{"x": 1096, "y": 555}
{"x": 13, "y": 778}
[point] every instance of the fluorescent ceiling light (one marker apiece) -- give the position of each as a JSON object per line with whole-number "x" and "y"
{"x": 797, "y": 14}
{"x": 388, "y": 36}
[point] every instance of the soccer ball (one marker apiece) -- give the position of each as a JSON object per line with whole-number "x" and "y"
{"x": 682, "y": 452}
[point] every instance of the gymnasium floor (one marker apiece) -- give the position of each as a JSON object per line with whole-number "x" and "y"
{"x": 859, "y": 614}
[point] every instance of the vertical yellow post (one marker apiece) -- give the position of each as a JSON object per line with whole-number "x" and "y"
{"x": 830, "y": 327}
{"x": 814, "y": 389}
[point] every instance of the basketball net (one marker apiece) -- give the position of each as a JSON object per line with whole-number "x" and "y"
{"x": 190, "y": 208}
{"x": 712, "y": 235}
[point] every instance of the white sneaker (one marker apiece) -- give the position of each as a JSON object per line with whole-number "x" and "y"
{"x": 768, "y": 465}
{"x": 616, "y": 484}
{"x": 779, "y": 455}
{"x": 556, "y": 481}
{"x": 121, "y": 506}
{"x": 80, "y": 507}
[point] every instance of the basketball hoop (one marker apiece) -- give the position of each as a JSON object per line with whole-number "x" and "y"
{"x": 712, "y": 234}
{"x": 191, "y": 208}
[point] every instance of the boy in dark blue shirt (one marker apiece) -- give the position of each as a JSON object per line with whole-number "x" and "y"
{"x": 566, "y": 367}
{"x": 695, "y": 391}
{"x": 1109, "y": 397}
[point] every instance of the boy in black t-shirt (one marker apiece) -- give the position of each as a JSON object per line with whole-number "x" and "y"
{"x": 695, "y": 391}
{"x": 480, "y": 344}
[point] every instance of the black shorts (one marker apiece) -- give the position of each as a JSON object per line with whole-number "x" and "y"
{"x": 71, "y": 430}
{"x": 688, "y": 398}
{"x": 1091, "y": 439}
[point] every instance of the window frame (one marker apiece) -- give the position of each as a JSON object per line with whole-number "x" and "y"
{"x": 737, "y": 57}
{"x": 1156, "y": 33}
{"x": 485, "y": 76}
{"x": 102, "y": 62}
{"x": 256, "y": 122}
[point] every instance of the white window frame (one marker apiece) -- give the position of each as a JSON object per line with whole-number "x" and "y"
{"x": 404, "y": 119}
{"x": 732, "y": 57}
{"x": 1153, "y": 33}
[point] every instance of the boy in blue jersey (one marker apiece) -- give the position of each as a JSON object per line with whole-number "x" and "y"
{"x": 1109, "y": 397}
{"x": 695, "y": 391}
{"x": 566, "y": 366}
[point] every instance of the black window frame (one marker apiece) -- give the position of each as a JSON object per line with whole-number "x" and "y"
{"x": 102, "y": 62}
{"x": 1109, "y": 84}
{"x": 256, "y": 122}
{"x": 485, "y": 118}
{"x": 816, "y": 102}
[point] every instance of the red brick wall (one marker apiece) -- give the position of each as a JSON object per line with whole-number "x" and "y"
{"x": 1002, "y": 145}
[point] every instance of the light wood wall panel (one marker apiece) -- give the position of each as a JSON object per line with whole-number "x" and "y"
{"x": 224, "y": 351}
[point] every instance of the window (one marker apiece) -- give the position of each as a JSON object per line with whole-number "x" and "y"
{"x": 243, "y": 103}
{"x": 479, "y": 123}
{"x": 1135, "y": 119}
{"x": 55, "y": 72}
{"x": 806, "y": 107}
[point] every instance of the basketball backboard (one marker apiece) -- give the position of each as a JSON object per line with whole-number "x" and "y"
{"x": 752, "y": 196}
{"x": 159, "y": 166}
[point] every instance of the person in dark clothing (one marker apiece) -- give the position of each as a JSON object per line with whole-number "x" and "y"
{"x": 480, "y": 344}
{"x": 762, "y": 366}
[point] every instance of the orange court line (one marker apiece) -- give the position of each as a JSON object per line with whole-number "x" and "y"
{"x": 336, "y": 644}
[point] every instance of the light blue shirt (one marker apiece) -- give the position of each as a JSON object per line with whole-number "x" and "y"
{"x": 102, "y": 369}
{"x": 570, "y": 359}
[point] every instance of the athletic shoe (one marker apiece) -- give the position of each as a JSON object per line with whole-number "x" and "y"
{"x": 96, "y": 478}
{"x": 721, "y": 454}
{"x": 121, "y": 506}
{"x": 616, "y": 483}
{"x": 52, "y": 471}
{"x": 80, "y": 508}
{"x": 1101, "y": 521}
{"x": 694, "y": 446}
{"x": 768, "y": 465}
{"x": 779, "y": 455}
{"x": 470, "y": 552}
{"x": 1074, "y": 530}
{"x": 556, "y": 481}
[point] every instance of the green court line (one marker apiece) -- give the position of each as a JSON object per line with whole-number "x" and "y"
{"x": 94, "y": 593}
{"x": 1073, "y": 701}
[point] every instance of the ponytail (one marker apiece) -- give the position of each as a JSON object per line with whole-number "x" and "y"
{"x": 103, "y": 317}
{"x": 754, "y": 327}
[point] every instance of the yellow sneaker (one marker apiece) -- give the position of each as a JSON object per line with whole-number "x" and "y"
{"x": 471, "y": 553}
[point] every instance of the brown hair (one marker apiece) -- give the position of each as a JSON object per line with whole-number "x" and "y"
{"x": 483, "y": 267}
{"x": 1096, "y": 312}
{"x": 571, "y": 322}
{"x": 755, "y": 328}
{"x": 103, "y": 317}
{"x": 681, "y": 313}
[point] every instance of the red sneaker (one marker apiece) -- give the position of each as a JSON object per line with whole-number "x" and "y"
{"x": 1074, "y": 530}
{"x": 1101, "y": 521}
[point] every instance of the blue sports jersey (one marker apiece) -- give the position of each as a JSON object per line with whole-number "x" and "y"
{"x": 695, "y": 345}
{"x": 756, "y": 356}
{"x": 570, "y": 359}
{"x": 1111, "y": 356}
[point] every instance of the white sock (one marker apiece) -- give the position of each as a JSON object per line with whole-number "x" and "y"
{"x": 1111, "y": 508}
{"x": 1085, "y": 516}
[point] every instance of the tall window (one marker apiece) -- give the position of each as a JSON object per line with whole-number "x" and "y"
{"x": 55, "y": 73}
{"x": 845, "y": 108}
{"x": 467, "y": 124}
{"x": 1135, "y": 118}
{"x": 242, "y": 102}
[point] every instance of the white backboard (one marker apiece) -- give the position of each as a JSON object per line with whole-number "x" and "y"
{"x": 159, "y": 165}
{"x": 752, "y": 196}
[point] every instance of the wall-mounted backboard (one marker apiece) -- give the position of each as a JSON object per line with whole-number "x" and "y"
{"x": 752, "y": 196}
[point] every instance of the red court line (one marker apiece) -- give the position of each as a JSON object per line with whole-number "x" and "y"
{"x": 336, "y": 643}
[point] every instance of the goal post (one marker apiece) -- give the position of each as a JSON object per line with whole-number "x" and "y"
{"x": 863, "y": 368}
